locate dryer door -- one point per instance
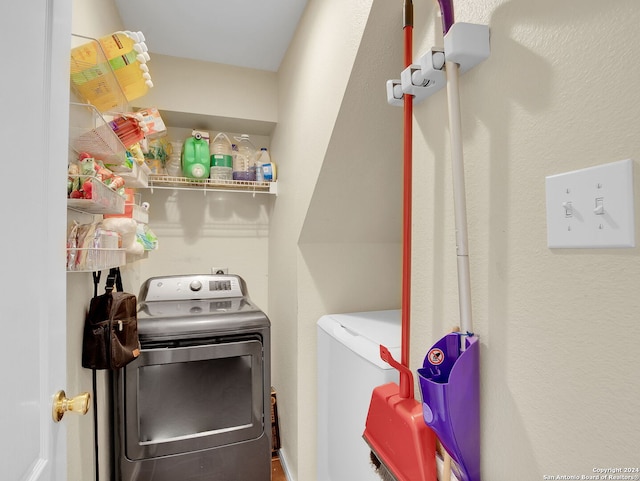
(193, 397)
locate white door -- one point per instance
(34, 87)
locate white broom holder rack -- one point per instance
(466, 44)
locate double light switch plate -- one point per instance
(592, 207)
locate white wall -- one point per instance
(548, 319)
(198, 231)
(557, 327)
(205, 88)
(220, 229)
(335, 244)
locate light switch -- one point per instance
(599, 210)
(592, 207)
(568, 209)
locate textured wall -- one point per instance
(558, 327)
(559, 368)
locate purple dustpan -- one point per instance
(450, 386)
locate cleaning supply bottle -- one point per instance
(268, 166)
(221, 158)
(195, 157)
(244, 162)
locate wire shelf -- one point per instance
(89, 132)
(184, 183)
(94, 259)
(103, 199)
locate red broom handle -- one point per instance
(406, 381)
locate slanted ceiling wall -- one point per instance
(334, 237)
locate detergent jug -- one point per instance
(195, 157)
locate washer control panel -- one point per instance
(206, 286)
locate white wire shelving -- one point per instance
(184, 183)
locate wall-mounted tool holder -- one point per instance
(466, 44)
(423, 79)
(394, 93)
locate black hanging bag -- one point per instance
(110, 339)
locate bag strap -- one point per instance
(114, 279)
(119, 280)
(96, 281)
(95, 424)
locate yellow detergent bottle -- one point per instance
(116, 44)
(130, 63)
(126, 54)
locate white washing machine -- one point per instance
(349, 368)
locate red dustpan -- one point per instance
(402, 446)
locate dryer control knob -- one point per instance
(195, 286)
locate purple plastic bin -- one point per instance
(450, 387)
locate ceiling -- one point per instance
(244, 33)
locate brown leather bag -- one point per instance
(110, 339)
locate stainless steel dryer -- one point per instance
(195, 405)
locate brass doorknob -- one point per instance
(78, 404)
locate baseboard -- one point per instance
(283, 462)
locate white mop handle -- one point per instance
(459, 198)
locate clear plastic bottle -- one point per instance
(244, 161)
(172, 164)
(259, 172)
(263, 159)
(221, 158)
